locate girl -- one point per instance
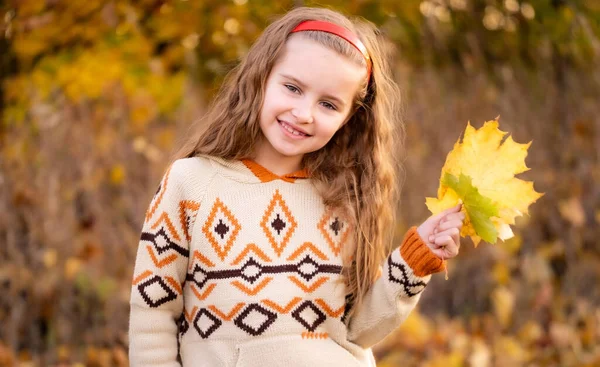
(268, 242)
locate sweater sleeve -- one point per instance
(160, 272)
(395, 294)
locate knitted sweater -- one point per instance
(239, 267)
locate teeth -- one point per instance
(292, 131)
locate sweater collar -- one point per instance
(249, 171)
(264, 175)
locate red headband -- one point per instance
(316, 25)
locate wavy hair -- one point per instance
(357, 171)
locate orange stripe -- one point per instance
(257, 251)
(281, 309)
(202, 296)
(328, 310)
(310, 289)
(142, 276)
(311, 335)
(165, 218)
(183, 205)
(190, 316)
(229, 316)
(163, 189)
(175, 284)
(264, 175)
(255, 290)
(310, 246)
(203, 259)
(166, 261)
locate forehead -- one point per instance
(320, 67)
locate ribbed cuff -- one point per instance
(418, 256)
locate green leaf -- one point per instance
(479, 207)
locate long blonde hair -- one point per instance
(357, 171)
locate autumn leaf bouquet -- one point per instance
(480, 172)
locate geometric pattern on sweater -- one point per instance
(256, 318)
(398, 273)
(228, 259)
(221, 228)
(254, 274)
(157, 199)
(335, 230)
(278, 223)
(156, 290)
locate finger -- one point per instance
(444, 253)
(455, 223)
(454, 216)
(446, 245)
(440, 215)
(453, 233)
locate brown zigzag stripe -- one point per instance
(251, 271)
(402, 278)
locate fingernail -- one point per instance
(431, 238)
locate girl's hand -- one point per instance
(441, 232)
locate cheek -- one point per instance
(329, 130)
(273, 100)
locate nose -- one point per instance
(302, 112)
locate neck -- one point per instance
(275, 162)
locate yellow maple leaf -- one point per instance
(480, 171)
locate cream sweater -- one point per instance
(239, 267)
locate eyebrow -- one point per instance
(302, 85)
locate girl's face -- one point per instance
(308, 97)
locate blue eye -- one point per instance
(292, 88)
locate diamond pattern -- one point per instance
(156, 292)
(307, 268)
(397, 273)
(335, 230)
(255, 319)
(278, 223)
(198, 276)
(206, 323)
(251, 271)
(161, 241)
(221, 229)
(309, 315)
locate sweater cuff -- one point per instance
(418, 256)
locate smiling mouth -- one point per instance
(290, 129)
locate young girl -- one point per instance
(268, 242)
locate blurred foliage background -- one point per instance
(96, 94)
